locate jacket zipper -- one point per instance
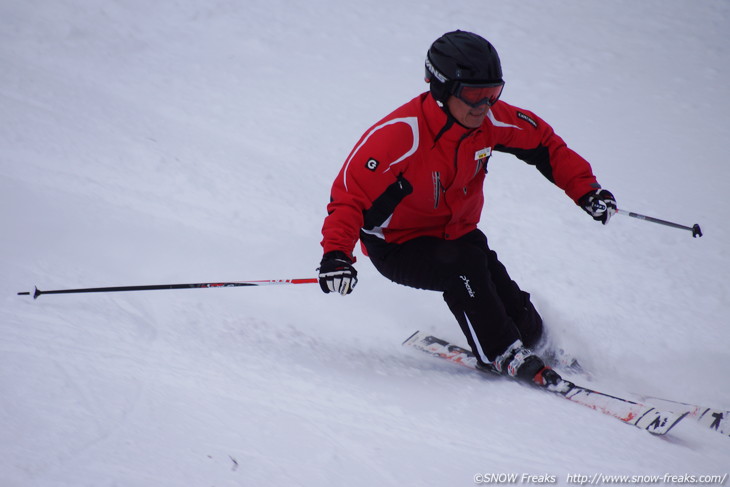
(456, 155)
(436, 188)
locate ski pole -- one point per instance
(155, 287)
(695, 229)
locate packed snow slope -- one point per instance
(189, 141)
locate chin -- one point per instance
(474, 122)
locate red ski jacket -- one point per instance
(408, 178)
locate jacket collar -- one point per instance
(440, 123)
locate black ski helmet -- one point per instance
(460, 56)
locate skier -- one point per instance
(411, 192)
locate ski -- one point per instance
(637, 414)
(712, 419)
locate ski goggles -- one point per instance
(476, 95)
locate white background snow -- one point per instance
(188, 141)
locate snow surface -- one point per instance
(188, 140)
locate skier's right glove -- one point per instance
(600, 204)
(336, 274)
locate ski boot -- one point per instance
(522, 364)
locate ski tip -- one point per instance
(410, 337)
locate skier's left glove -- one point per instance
(336, 273)
(600, 204)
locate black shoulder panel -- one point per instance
(538, 157)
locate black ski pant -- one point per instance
(491, 309)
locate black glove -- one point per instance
(336, 274)
(600, 204)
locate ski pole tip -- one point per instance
(696, 230)
(35, 294)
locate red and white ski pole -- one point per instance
(156, 287)
(695, 229)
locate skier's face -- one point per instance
(469, 117)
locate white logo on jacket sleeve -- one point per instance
(412, 122)
(527, 119)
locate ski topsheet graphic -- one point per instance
(642, 416)
(712, 419)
